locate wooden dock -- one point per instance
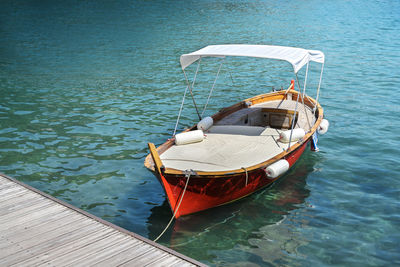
(38, 229)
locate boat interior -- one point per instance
(242, 139)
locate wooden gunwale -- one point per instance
(156, 158)
(280, 95)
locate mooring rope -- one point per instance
(177, 207)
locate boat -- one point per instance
(244, 147)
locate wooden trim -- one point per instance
(228, 110)
(260, 98)
(120, 229)
(156, 158)
(283, 111)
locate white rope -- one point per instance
(212, 88)
(177, 207)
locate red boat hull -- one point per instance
(206, 192)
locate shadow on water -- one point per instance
(265, 216)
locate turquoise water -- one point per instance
(84, 85)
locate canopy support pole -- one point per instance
(304, 93)
(212, 88)
(191, 87)
(180, 110)
(184, 96)
(319, 86)
(295, 112)
(194, 102)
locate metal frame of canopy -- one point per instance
(297, 57)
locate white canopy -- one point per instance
(298, 57)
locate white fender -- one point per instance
(189, 137)
(205, 124)
(277, 168)
(323, 126)
(298, 133)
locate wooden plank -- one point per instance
(167, 260)
(97, 257)
(6, 186)
(53, 251)
(12, 193)
(40, 246)
(66, 249)
(186, 264)
(11, 206)
(25, 198)
(28, 218)
(8, 198)
(29, 232)
(14, 242)
(86, 250)
(91, 251)
(161, 260)
(18, 203)
(144, 249)
(117, 257)
(144, 258)
(37, 229)
(20, 215)
(9, 193)
(4, 182)
(135, 252)
(38, 221)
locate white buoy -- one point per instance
(298, 133)
(277, 168)
(205, 124)
(323, 126)
(189, 137)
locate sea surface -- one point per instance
(84, 85)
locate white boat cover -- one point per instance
(225, 152)
(298, 57)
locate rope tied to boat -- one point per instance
(247, 176)
(188, 173)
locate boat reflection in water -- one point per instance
(264, 225)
